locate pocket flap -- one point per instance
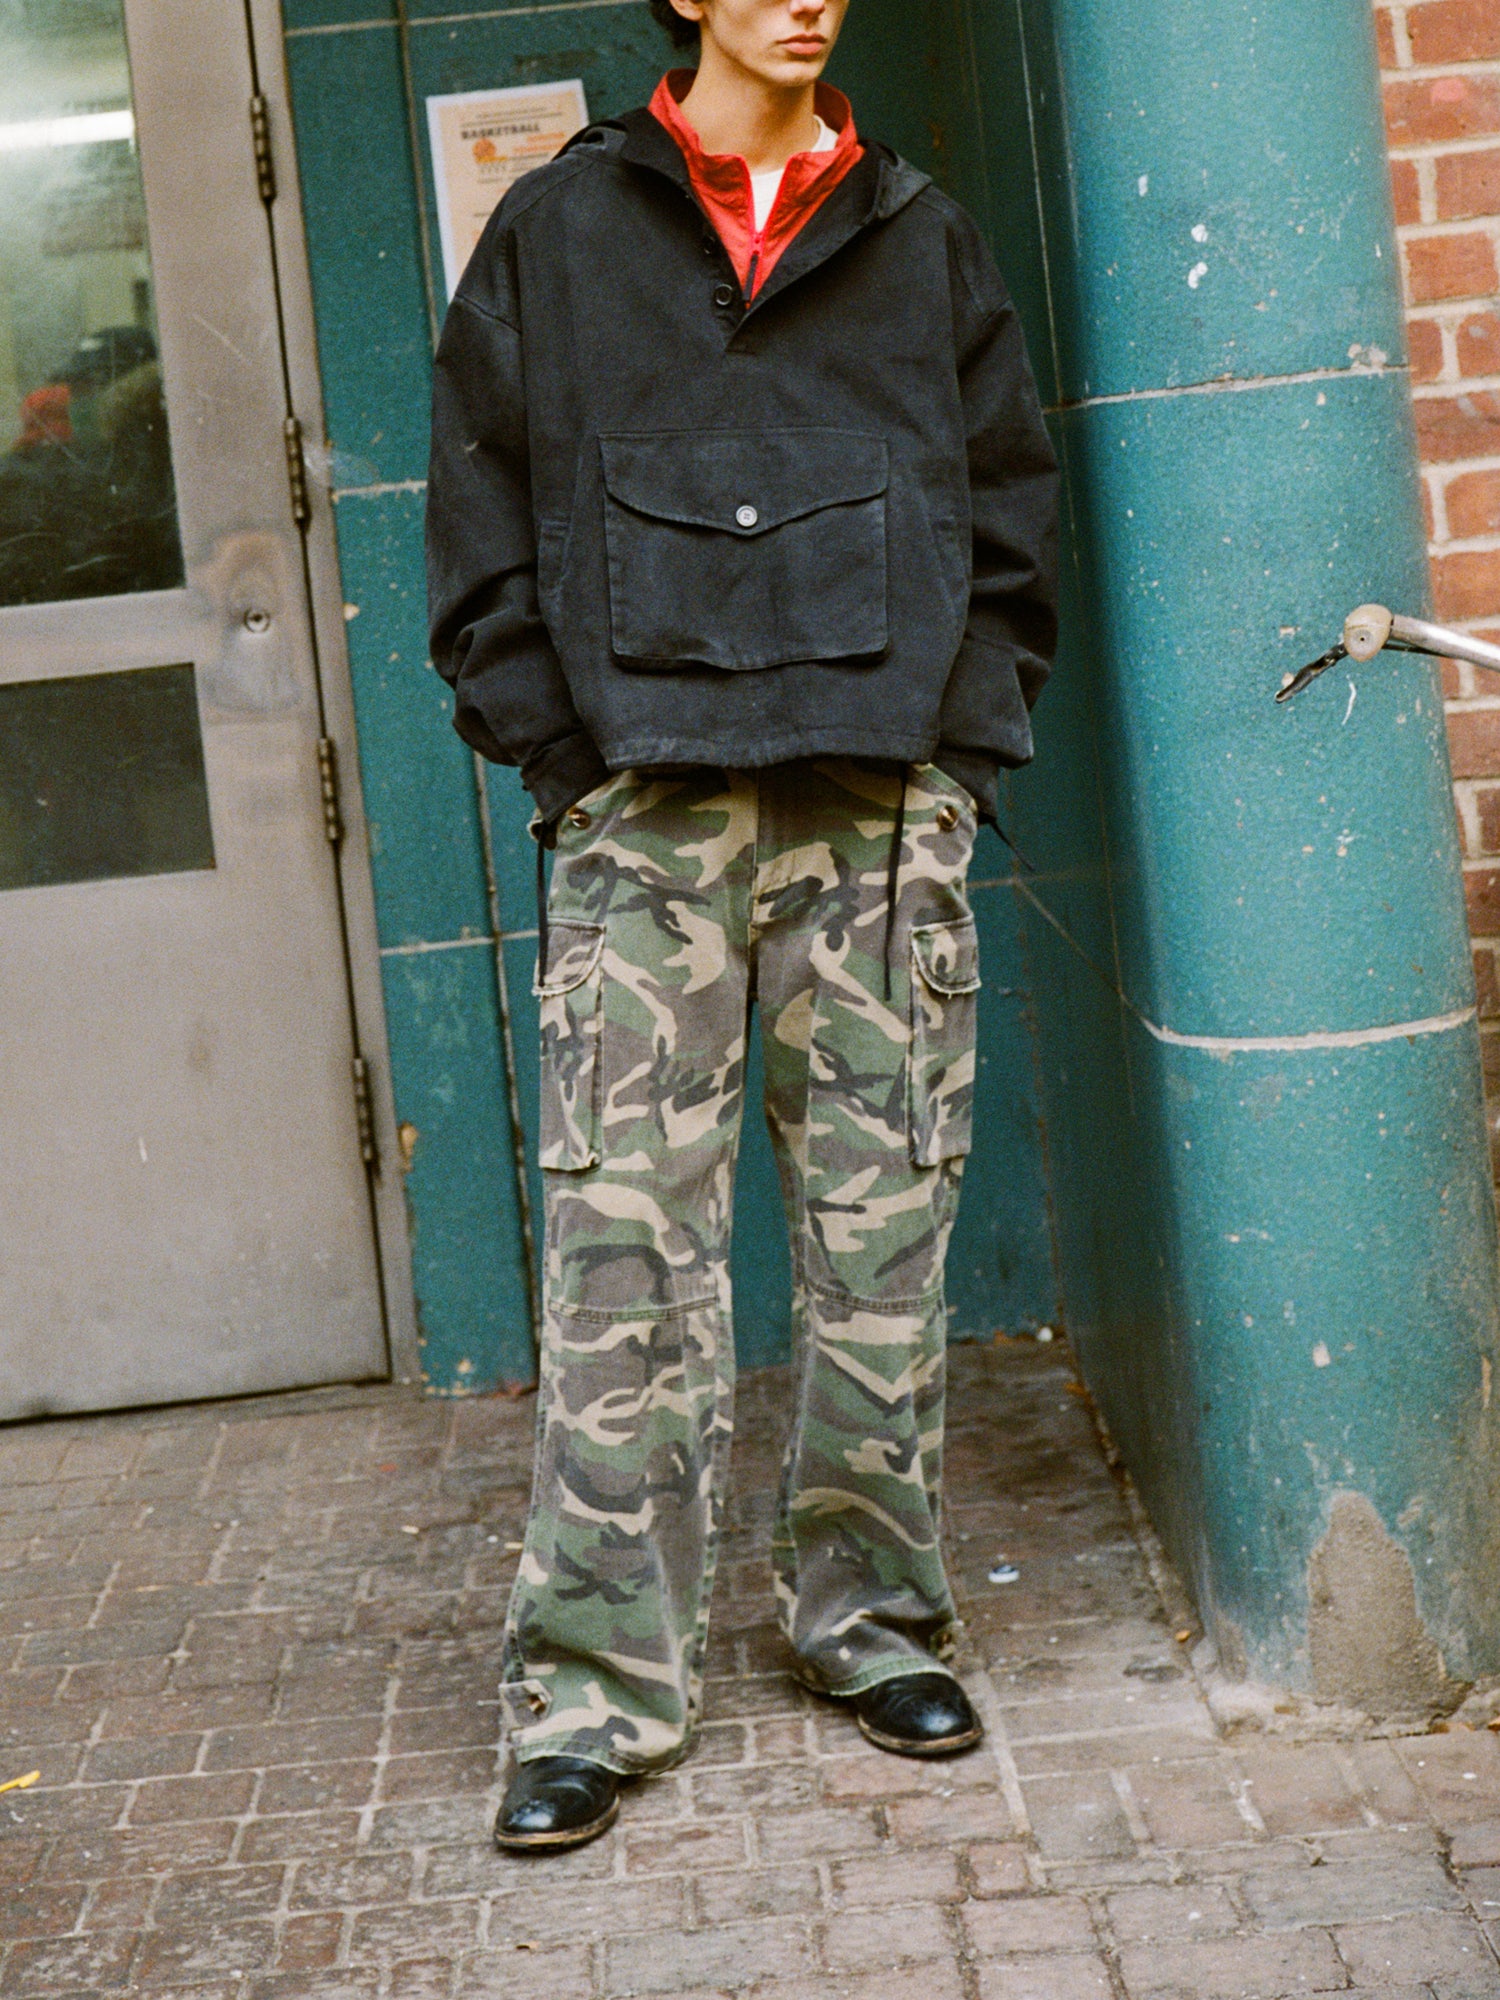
(947, 955)
(573, 953)
(743, 483)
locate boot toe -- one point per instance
(557, 1802)
(918, 1715)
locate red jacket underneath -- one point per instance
(721, 181)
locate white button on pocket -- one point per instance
(747, 517)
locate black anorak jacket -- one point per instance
(668, 527)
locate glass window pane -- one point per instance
(102, 776)
(87, 506)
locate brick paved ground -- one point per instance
(252, 1649)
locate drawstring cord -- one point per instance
(541, 911)
(893, 877)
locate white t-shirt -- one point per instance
(766, 187)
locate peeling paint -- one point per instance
(1370, 1650)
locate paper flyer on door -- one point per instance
(482, 142)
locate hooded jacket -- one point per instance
(668, 525)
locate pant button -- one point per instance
(947, 817)
(579, 818)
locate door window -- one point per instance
(87, 506)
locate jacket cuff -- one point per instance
(563, 773)
(978, 771)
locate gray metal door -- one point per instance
(184, 1202)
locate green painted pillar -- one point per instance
(1259, 1051)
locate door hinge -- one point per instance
(328, 778)
(260, 138)
(364, 1114)
(296, 472)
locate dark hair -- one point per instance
(683, 32)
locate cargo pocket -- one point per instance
(746, 549)
(571, 990)
(944, 1017)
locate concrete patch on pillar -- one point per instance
(1370, 1649)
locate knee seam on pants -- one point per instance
(835, 1295)
(645, 1315)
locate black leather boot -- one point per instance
(556, 1802)
(918, 1715)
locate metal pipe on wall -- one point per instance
(1260, 1050)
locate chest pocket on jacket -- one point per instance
(746, 549)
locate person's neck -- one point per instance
(735, 112)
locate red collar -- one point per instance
(721, 181)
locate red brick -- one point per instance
(44, 1910)
(1227, 1968)
(885, 1937)
(1473, 505)
(876, 1883)
(1467, 586)
(738, 1954)
(1406, 191)
(1429, 1947)
(1441, 108)
(1477, 1845)
(673, 1850)
(1488, 984)
(1453, 31)
(1479, 344)
(66, 1965)
(1385, 37)
(307, 1943)
(758, 1892)
(999, 1869)
(1468, 185)
(1451, 267)
(1483, 901)
(500, 1975)
(1027, 1924)
(936, 1822)
(1474, 742)
(1424, 337)
(192, 1953)
(1462, 426)
(1061, 1976)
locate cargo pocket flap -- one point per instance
(947, 956)
(573, 954)
(743, 483)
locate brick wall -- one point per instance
(1441, 61)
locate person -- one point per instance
(741, 545)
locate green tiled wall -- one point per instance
(360, 70)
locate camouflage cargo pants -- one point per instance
(675, 903)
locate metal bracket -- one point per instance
(260, 138)
(328, 778)
(1372, 628)
(296, 472)
(364, 1113)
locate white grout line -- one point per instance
(338, 28)
(1231, 385)
(981, 1691)
(1227, 1045)
(378, 487)
(1347, 1038)
(447, 20)
(447, 944)
(559, 7)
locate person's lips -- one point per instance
(805, 45)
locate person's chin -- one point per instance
(793, 70)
